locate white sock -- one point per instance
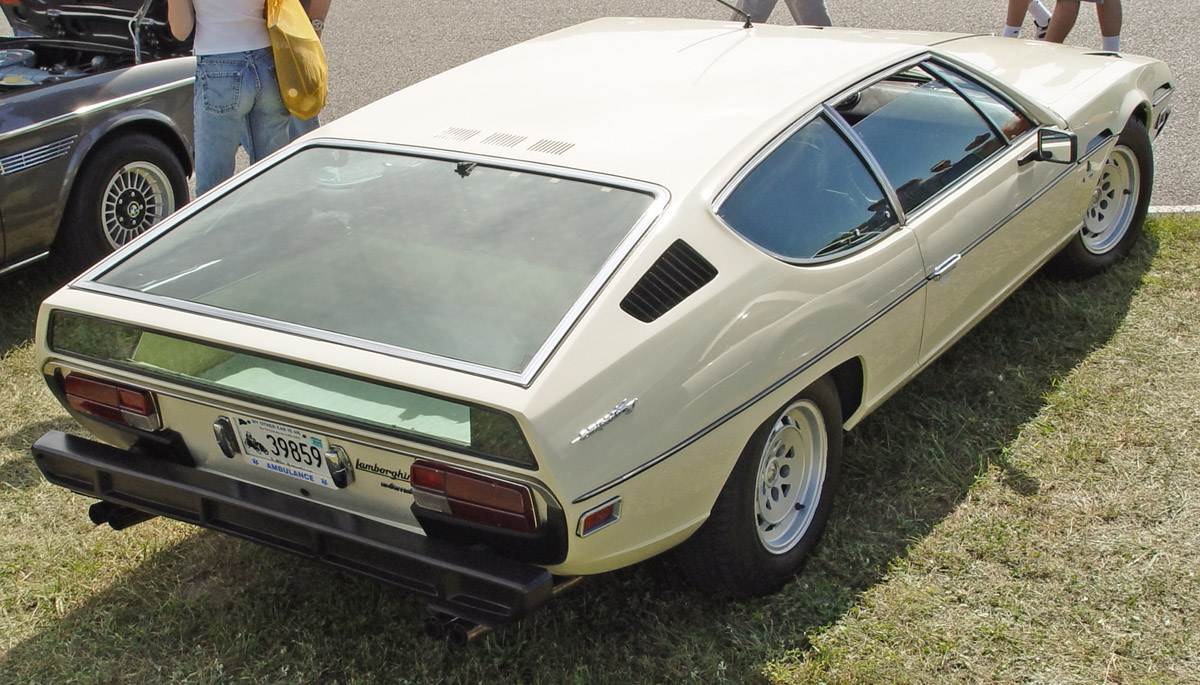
(1011, 31)
(1110, 43)
(1040, 14)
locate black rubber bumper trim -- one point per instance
(472, 584)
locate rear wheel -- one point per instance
(773, 508)
(126, 186)
(1114, 219)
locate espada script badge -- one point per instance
(625, 407)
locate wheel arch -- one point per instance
(149, 122)
(848, 378)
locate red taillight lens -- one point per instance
(473, 497)
(107, 400)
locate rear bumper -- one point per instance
(474, 585)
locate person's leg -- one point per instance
(809, 12)
(1109, 14)
(1063, 20)
(759, 10)
(217, 117)
(269, 117)
(1015, 16)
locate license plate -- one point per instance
(285, 450)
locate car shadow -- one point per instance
(24, 290)
(206, 598)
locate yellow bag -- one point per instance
(299, 58)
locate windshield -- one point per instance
(455, 259)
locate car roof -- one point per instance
(660, 100)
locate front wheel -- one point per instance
(128, 184)
(1114, 218)
(773, 508)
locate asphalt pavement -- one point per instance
(376, 47)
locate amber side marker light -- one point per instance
(601, 517)
(473, 497)
(121, 404)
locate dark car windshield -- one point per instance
(456, 259)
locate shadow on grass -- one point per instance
(23, 291)
(215, 609)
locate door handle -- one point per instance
(945, 267)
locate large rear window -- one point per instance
(485, 265)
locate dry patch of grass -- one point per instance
(1024, 511)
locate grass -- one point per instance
(1023, 511)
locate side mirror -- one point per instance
(1060, 147)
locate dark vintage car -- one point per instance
(95, 127)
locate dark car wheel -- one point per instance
(1114, 219)
(126, 186)
(773, 508)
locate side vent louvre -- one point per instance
(679, 272)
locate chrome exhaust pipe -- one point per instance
(455, 630)
(460, 632)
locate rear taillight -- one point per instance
(473, 497)
(113, 402)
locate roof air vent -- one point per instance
(456, 133)
(679, 272)
(551, 147)
(503, 139)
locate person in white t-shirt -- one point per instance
(236, 91)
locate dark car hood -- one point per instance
(100, 21)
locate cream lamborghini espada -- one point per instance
(607, 293)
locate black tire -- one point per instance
(760, 533)
(127, 184)
(1114, 220)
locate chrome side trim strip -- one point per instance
(88, 109)
(824, 353)
(24, 262)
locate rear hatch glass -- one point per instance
(483, 266)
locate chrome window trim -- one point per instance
(638, 470)
(829, 111)
(768, 150)
(872, 164)
(995, 158)
(659, 199)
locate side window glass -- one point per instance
(1003, 116)
(811, 198)
(923, 134)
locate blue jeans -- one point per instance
(298, 127)
(236, 95)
